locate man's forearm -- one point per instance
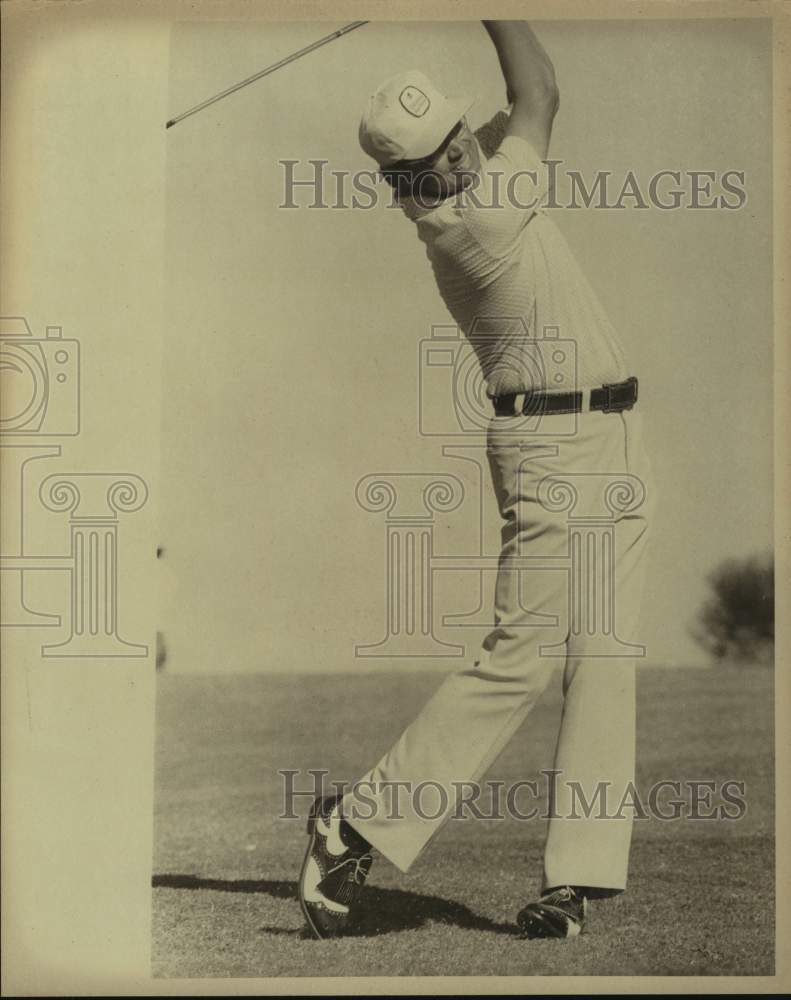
(527, 69)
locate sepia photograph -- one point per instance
(492, 620)
(392, 501)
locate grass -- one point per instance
(701, 894)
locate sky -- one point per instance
(290, 359)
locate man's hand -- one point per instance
(529, 80)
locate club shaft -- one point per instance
(265, 72)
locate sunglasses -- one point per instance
(425, 163)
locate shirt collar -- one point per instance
(415, 210)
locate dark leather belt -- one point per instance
(610, 398)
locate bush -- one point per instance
(737, 621)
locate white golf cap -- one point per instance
(408, 117)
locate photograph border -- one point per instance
(37, 959)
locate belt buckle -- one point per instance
(514, 409)
(611, 405)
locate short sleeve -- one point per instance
(512, 188)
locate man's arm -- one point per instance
(529, 79)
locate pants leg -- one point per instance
(473, 714)
(595, 752)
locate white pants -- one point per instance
(476, 711)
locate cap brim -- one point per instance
(451, 112)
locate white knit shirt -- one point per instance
(509, 280)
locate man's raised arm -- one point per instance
(529, 79)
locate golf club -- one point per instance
(265, 72)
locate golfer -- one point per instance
(506, 274)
